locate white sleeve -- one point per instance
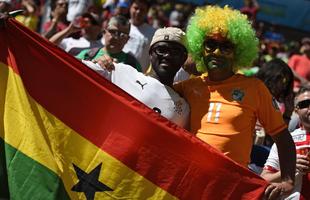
(96, 67)
(273, 158)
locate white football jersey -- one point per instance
(148, 90)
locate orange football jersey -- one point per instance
(224, 114)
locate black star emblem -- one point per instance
(89, 183)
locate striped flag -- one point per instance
(67, 133)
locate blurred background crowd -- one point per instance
(48, 17)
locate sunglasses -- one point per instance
(118, 34)
(225, 47)
(163, 50)
(303, 104)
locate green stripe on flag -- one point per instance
(26, 178)
(4, 191)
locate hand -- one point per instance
(106, 62)
(72, 28)
(58, 13)
(302, 164)
(278, 190)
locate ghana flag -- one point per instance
(67, 133)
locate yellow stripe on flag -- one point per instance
(32, 130)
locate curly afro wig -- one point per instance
(229, 23)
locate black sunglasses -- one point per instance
(226, 47)
(118, 34)
(171, 51)
(303, 104)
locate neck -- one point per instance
(163, 79)
(218, 75)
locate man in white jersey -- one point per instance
(167, 54)
(301, 139)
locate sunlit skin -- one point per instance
(114, 43)
(138, 12)
(218, 57)
(304, 113)
(166, 59)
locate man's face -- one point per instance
(303, 108)
(116, 36)
(218, 54)
(138, 13)
(305, 48)
(167, 58)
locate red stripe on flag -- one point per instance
(99, 111)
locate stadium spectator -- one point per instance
(140, 34)
(279, 78)
(58, 20)
(29, 17)
(301, 138)
(167, 54)
(224, 105)
(116, 34)
(90, 26)
(300, 64)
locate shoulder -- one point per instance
(81, 55)
(125, 69)
(147, 29)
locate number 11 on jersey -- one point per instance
(214, 112)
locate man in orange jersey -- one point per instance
(224, 105)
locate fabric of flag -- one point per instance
(67, 133)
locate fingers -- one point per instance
(277, 190)
(105, 62)
(302, 166)
(272, 192)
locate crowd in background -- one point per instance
(50, 16)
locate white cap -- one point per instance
(169, 34)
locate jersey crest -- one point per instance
(237, 94)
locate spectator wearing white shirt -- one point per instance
(140, 34)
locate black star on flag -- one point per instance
(89, 183)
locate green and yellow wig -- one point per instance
(231, 24)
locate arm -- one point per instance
(287, 158)
(271, 171)
(287, 155)
(57, 15)
(97, 68)
(58, 37)
(273, 177)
